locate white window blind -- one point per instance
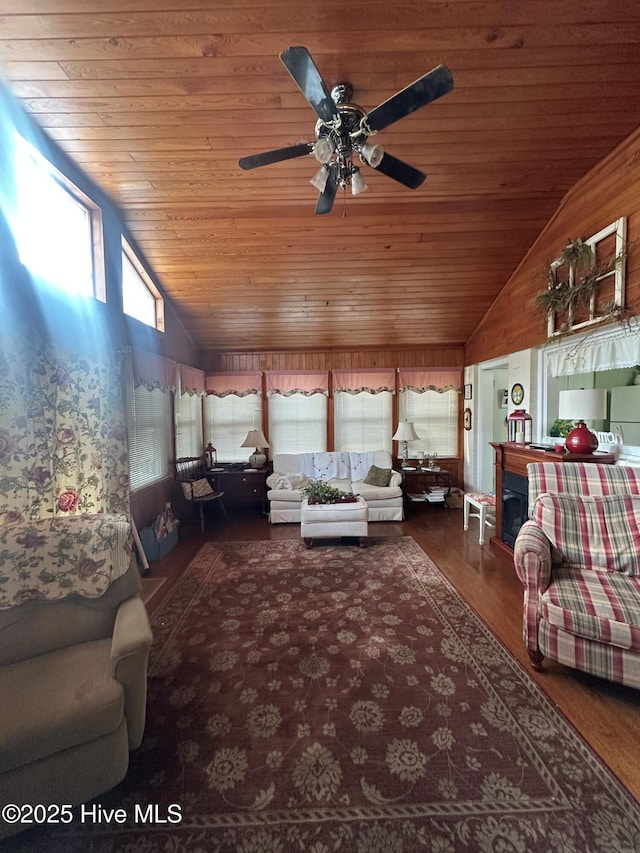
(150, 436)
(298, 423)
(188, 425)
(435, 418)
(363, 421)
(228, 420)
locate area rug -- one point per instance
(344, 699)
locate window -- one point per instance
(140, 298)
(188, 423)
(57, 228)
(435, 419)
(298, 423)
(150, 435)
(227, 421)
(363, 421)
(363, 409)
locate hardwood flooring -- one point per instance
(606, 715)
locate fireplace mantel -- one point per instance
(514, 458)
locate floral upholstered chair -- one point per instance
(578, 559)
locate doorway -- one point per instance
(492, 419)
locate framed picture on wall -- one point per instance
(468, 392)
(467, 418)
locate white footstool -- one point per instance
(486, 511)
(331, 521)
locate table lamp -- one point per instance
(583, 404)
(255, 438)
(405, 433)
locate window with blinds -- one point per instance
(188, 425)
(363, 421)
(435, 419)
(149, 422)
(298, 423)
(227, 420)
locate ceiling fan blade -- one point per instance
(275, 156)
(400, 171)
(298, 62)
(425, 89)
(327, 196)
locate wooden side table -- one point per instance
(426, 485)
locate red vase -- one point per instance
(581, 439)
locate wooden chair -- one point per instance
(198, 485)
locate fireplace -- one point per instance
(515, 494)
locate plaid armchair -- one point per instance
(578, 558)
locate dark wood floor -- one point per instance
(606, 715)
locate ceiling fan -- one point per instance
(342, 129)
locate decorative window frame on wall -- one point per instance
(619, 229)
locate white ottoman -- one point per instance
(331, 521)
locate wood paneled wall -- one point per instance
(609, 191)
(335, 359)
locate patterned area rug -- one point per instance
(346, 699)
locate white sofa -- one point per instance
(346, 471)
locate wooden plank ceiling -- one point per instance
(157, 99)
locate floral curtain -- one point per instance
(63, 439)
(242, 384)
(371, 381)
(290, 382)
(437, 379)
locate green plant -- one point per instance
(561, 428)
(320, 492)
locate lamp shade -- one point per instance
(405, 432)
(584, 404)
(255, 438)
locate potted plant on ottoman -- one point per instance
(319, 492)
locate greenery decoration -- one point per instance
(561, 296)
(320, 492)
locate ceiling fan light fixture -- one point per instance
(323, 149)
(358, 183)
(319, 180)
(372, 154)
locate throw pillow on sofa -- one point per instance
(378, 476)
(593, 531)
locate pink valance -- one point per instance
(191, 380)
(372, 381)
(289, 382)
(152, 371)
(438, 379)
(241, 383)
